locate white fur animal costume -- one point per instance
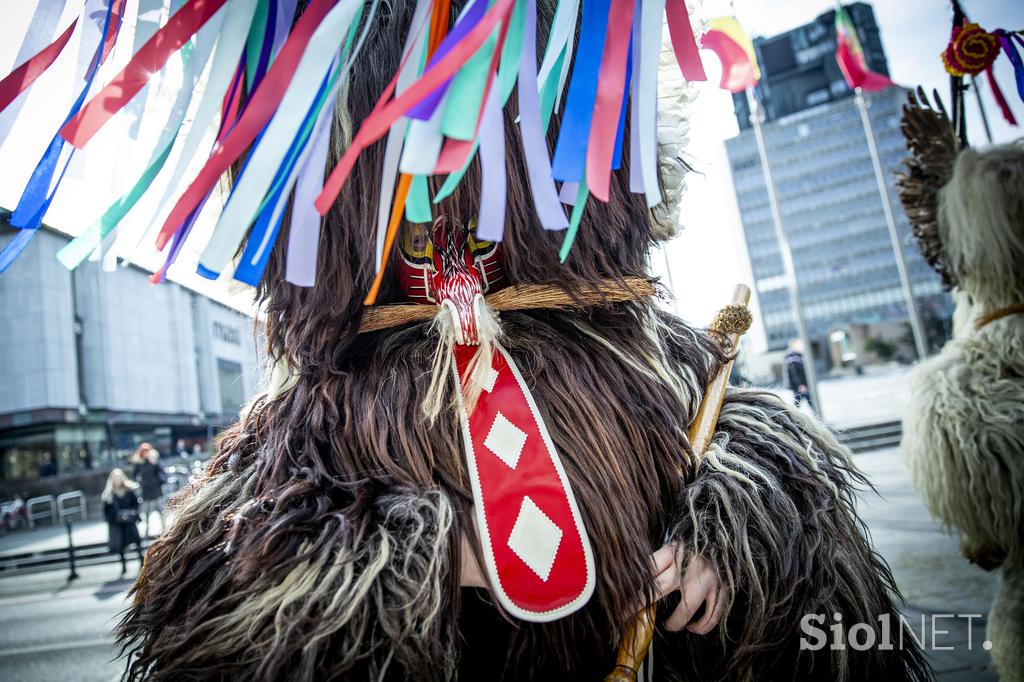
(964, 427)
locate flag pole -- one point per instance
(981, 108)
(916, 327)
(789, 272)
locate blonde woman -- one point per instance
(121, 509)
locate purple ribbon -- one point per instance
(491, 225)
(535, 146)
(304, 233)
(1011, 54)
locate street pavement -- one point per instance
(54, 631)
(939, 585)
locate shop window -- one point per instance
(232, 392)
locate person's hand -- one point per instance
(699, 584)
(803, 388)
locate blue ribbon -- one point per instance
(1006, 38)
(571, 149)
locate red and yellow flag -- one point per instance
(731, 43)
(850, 56)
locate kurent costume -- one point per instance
(964, 429)
(486, 368)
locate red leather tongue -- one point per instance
(536, 551)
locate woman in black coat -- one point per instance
(121, 509)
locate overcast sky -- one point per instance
(706, 260)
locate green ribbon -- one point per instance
(254, 44)
(417, 205)
(574, 220)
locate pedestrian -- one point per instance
(151, 477)
(121, 509)
(796, 375)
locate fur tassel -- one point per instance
(442, 364)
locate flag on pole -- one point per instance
(850, 56)
(730, 42)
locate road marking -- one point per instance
(56, 646)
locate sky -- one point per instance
(705, 261)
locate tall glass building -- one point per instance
(831, 207)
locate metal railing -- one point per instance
(51, 509)
(69, 504)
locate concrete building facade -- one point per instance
(96, 362)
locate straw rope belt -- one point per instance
(518, 297)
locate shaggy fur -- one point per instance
(322, 540)
(964, 429)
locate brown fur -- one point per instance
(321, 541)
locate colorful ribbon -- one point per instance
(680, 32)
(194, 59)
(646, 110)
(39, 35)
(45, 179)
(608, 101)
(25, 75)
(278, 138)
(147, 61)
(535, 146)
(569, 161)
(261, 106)
(388, 110)
(415, 45)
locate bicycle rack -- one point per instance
(69, 504)
(51, 509)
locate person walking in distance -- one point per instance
(151, 477)
(121, 509)
(796, 376)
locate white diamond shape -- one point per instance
(535, 539)
(505, 440)
(487, 380)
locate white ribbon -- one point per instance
(650, 41)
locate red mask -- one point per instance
(450, 268)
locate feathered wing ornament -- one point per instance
(933, 145)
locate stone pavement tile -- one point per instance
(930, 572)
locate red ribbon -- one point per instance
(257, 112)
(19, 80)
(150, 58)
(683, 42)
(387, 112)
(611, 86)
(1000, 99)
